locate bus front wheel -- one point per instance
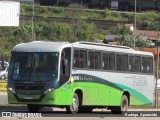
(33, 108)
(73, 108)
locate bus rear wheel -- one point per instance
(73, 108)
(123, 107)
(33, 108)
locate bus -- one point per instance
(80, 76)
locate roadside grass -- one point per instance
(63, 12)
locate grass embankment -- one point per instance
(148, 19)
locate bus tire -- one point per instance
(85, 109)
(124, 103)
(122, 108)
(33, 108)
(73, 108)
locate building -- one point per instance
(153, 36)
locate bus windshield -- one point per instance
(34, 66)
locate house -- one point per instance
(153, 36)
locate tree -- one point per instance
(123, 34)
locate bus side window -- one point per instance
(105, 61)
(98, 61)
(125, 62)
(131, 64)
(149, 65)
(144, 65)
(91, 63)
(111, 61)
(137, 64)
(119, 62)
(83, 59)
(76, 59)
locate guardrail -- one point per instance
(3, 85)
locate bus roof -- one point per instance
(40, 46)
(109, 48)
(49, 46)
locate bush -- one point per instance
(85, 31)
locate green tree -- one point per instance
(85, 31)
(123, 34)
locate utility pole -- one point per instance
(157, 74)
(135, 22)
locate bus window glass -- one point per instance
(105, 61)
(149, 65)
(65, 64)
(144, 65)
(91, 60)
(34, 66)
(131, 64)
(111, 61)
(76, 59)
(137, 64)
(119, 62)
(125, 62)
(98, 63)
(83, 59)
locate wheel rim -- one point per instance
(124, 105)
(74, 105)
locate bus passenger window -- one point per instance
(137, 64)
(91, 60)
(125, 62)
(111, 61)
(98, 63)
(105, 61)
(149, 65)
(83, 59)
(131, 64)
(144, 65)
(119, 62)
(76, 59)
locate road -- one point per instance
(60, 114)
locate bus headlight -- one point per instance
(48, 90)
(12, 90)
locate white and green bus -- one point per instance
(80, 76)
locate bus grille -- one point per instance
(29, 87)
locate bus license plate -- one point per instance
(28, 98)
